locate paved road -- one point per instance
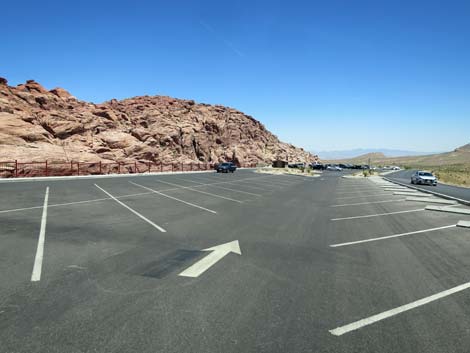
(404, 176)
(110, 277)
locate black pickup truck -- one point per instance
(226, 167)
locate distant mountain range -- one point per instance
(460, 155)
(346, 154)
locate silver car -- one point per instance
(423, 178)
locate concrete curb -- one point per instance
(463, 202)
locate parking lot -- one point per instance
(243, 262)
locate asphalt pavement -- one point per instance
(404, 176)
(242, 262)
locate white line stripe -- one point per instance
(386, 314)
(270, 182)
(367, 203)
(221, 187)
(377, 215)
(356, 192)
(362, 196)
(244, 183)
(37, 268)
(234, 182)
(124, 196)
(392, 236)
(133, 211)
(173, 198)
(200, 191)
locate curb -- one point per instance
(463, 202)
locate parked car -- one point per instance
(226, 167)
(296, 165)
(423, 178)
(334, 167)
(318, 166)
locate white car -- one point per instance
(334, 167)
(423, 178)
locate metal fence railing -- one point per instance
(17, 169)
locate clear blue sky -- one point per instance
(324, 75)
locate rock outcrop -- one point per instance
(37, 124)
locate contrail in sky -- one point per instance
(229, 44)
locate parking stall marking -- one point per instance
(450, 209)
(389, 313)
(200, 191)
(222, 187)
(431, 200)
(270, 183)
(119, 197)
(258, 187)
(368, 203)
(378, 214)
(410, 193)
(173, 198)
(362, 196)
(37, 268)
(133, 211)
(234, 182)
(356, 192)
(392, 236)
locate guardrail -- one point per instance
(16, 169)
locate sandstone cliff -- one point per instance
(39, 124)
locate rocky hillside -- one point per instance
(39, 124)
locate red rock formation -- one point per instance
(36, 124)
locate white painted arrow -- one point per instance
(218, 252)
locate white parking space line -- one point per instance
(133, 211)
(284, 182)
(450, 209)
(270, 182)
(174, 198)
(235, 183)
(392, 236)
(367, 203)
(37, 268)
(431, 200)
(120, 197)
(361, 196)
(221, 187)
(199, 191)
(75, 202)
(389, 313)
(356, 192)
(410, 193)
(250, 185)
(378, 214)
